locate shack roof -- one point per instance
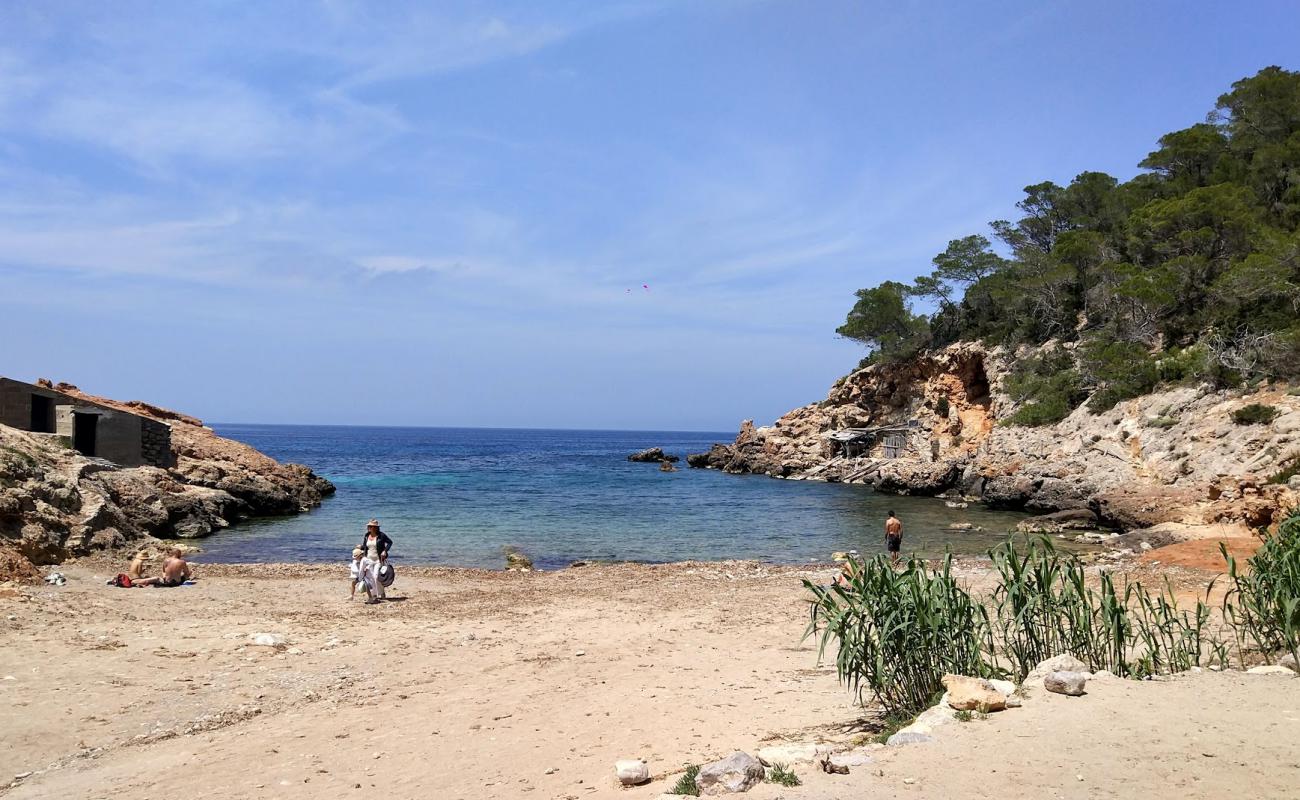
(862, 434)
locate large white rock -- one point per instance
(853, 758)
(1008, 690)
(269, 639)
(908, 737)
(738, 772)
(1289, 662)
(923, 727)
(632, 771)
(1061, 663)
(1068, 683)
(1271, 669)
(792, 753)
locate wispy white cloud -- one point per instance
(165, 85)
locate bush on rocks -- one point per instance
(1255, 414)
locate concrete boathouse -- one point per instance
(126, 439)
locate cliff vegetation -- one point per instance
(1187, 273)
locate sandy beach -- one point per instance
(478, 684)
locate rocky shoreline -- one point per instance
(56, 503)
(1171, 458)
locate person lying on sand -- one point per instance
(174, 572)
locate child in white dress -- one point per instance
(354, 573)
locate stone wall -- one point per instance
(156, 443)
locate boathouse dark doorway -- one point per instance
(42, 414)
(84, 430)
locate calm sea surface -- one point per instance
(456, 496)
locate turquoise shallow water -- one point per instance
(456, 496)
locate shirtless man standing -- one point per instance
(174, 572)
(893, 537)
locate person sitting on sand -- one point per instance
(375, 547)
(847, 570)
(136, 571)
(174, 572)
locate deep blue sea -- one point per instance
(457, 496)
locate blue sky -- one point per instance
(432, 213)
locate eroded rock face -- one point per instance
(263, 486)
(1129, 466)
(17, 568)
(56, 503)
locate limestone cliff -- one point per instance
(1170, 456)
(56, 503)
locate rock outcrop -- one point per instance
(56, 503)
(653, 455)
(1169, 456)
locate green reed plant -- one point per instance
(898, 631)
(1262, 607)
(1043, 608)
(1170, 639)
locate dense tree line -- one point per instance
(1188, 272)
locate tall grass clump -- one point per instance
(1044, 608)
(1171, 639)
(897, 632)
(1262, 607)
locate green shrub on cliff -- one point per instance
(1048, 385)
(1189, 271)
(1255, 414)
(1123, 370)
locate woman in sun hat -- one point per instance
(375, 546)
